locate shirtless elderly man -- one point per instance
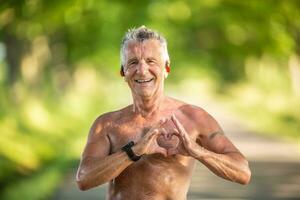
(147, 150)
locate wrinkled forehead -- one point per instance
(146, 48)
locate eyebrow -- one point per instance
(151, 58)
(132, 59)
(136, 59)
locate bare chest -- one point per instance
(122, 133)
(133, 130)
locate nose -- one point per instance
(142, 68)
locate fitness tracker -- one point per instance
(129, 152)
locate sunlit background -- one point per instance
(59, 70)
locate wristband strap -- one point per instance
(129, 152)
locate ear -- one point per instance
(167, 70)
(122, 71)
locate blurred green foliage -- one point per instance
(59, 63)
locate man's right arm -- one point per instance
(97, 166)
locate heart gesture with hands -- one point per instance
(168, 137)
(148, 144)
(174, 138)
(186, 144)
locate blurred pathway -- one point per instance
(275, 169)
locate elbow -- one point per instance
(245, 180)
(245, 176)
(81, 185)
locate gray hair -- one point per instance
(141, 34)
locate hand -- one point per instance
(167, 139)
(186, 144)
(148, 143)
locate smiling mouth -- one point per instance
(140, 81)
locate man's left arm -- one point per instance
(215, 150)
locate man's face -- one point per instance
(144, 67)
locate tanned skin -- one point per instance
(169, 134)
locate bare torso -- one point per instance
(153, 176)
(168, 133)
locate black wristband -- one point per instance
(129, 152)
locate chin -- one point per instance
(145, 94)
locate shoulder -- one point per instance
(112, 116)
(192, 112)
(103, 122)
(204, 121)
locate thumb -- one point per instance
(162, 151)
(172, 151)
(153, 134)
(175, 131)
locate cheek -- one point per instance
(129, 77)
(158, 71)
(128, 74)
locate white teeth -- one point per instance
(143, 80)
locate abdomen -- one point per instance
(154, 177)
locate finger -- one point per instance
(155, 128)
(162, 151)
(162, 122)
(159, 124)
(152, 134)
(172, 151)
(164, 132)
(178, 133)
(174, 130)
(177, 124)
(180, 136)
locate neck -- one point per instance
(147, 106)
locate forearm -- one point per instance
(93, 172)
(231, 166)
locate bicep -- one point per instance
(219, 143)
(97, 149)
(213, 138)
(98, 143)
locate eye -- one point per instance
(132, 63)
(151, 61)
